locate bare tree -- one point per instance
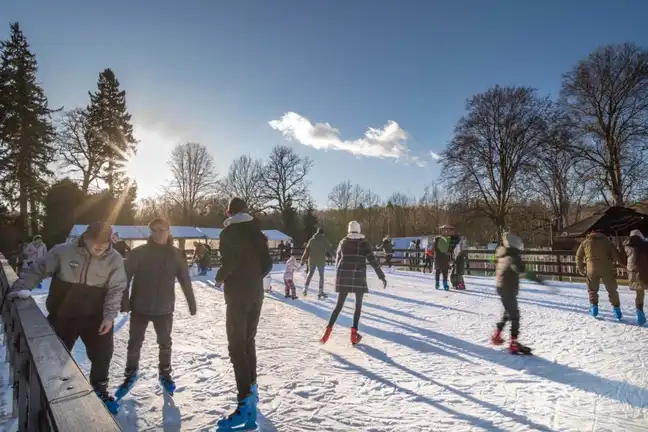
(557, 177)
(607, 94)
(194, 178)
(80, 155)
(245, 180)
(492, 146)
(284, 179)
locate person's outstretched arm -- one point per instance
(182, 273)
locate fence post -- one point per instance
(560, 272)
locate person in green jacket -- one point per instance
(315, 253)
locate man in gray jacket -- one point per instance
(154, 267)
(315, 253)
(88, 281)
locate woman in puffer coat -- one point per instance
(351, 263)
(636, 249)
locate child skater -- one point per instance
(289, 273)
(507, 278)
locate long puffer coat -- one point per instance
(353, 253)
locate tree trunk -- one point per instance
(34, 216)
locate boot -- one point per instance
(326, 335)
(593, 310)
(355, 336)
(243, 418)
(617, 313)
(111, 404)
(130, 378)
(497, 339)
(641, 317)
(167, 383)
(517, 348)
(445, 286)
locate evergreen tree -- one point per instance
(290, 221)
(110, 128)
(26, 130)
(310, 222)
(61, 204)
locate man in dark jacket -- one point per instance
(388, 249)
(120, 245)
(636, 249)
(154, 267)
(246, 261)
(88, 280)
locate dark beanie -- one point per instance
(236, 205)
(99, 231)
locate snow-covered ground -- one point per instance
(424, 364)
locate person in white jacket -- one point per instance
(289, 274)
(34, 251)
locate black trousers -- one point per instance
(441, 270)
(511, 313)
(163, 325)
(98, 347)
(242, 320)
(340, 304)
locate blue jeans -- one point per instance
(311, 271)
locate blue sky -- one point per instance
(218, 72)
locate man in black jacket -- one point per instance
(120, 245)
(154, 267)
(245, 262)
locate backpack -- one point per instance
(442, 244)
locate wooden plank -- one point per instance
(33, 322)
(82, 413)
(59, 375)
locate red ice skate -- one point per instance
(517, 348)
(326, 335)
(355, 336)
(497, 339)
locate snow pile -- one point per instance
(424, 363)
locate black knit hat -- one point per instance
(236, 205)
(99, 231)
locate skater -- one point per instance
(442, 258)
(246, 262)
(459, 257)
(429, 256)
(315, 254)
(289, 274)
(388, 249)
(120, 245)
(352, 255)
(636, 249)
(411, 255)
(596, 259)
(202, 258)
(153, 268)
(507, 279)
(88, 281)
(33, 251)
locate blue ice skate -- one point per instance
(127, 385)
(254, 389)
(109, 401)
(445, 286)
(593, 310)
(436, 285)
(617, 313)
(167, 383)
(244, 418)
(641, 317)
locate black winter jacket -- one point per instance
(154, 269)
(245, 259)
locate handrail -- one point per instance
(50, 392)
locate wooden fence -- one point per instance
(50, 392)
(554, 264)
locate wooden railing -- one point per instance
(50, 392)
(558, 264)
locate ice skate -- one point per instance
(517, 348)
(355, 337)
(326, 335)
(593, 311)
(617, 313)
(244, 417)
(641, 317)
(496, 338)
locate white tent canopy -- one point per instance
(142, 232)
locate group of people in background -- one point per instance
(91, 284)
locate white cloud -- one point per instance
(388, 142)
(436, 156)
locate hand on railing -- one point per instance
(22, 294)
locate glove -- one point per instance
(21, 294)
(384, 281)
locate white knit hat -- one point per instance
(511, 240)
(354, 227)
(636, 233)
